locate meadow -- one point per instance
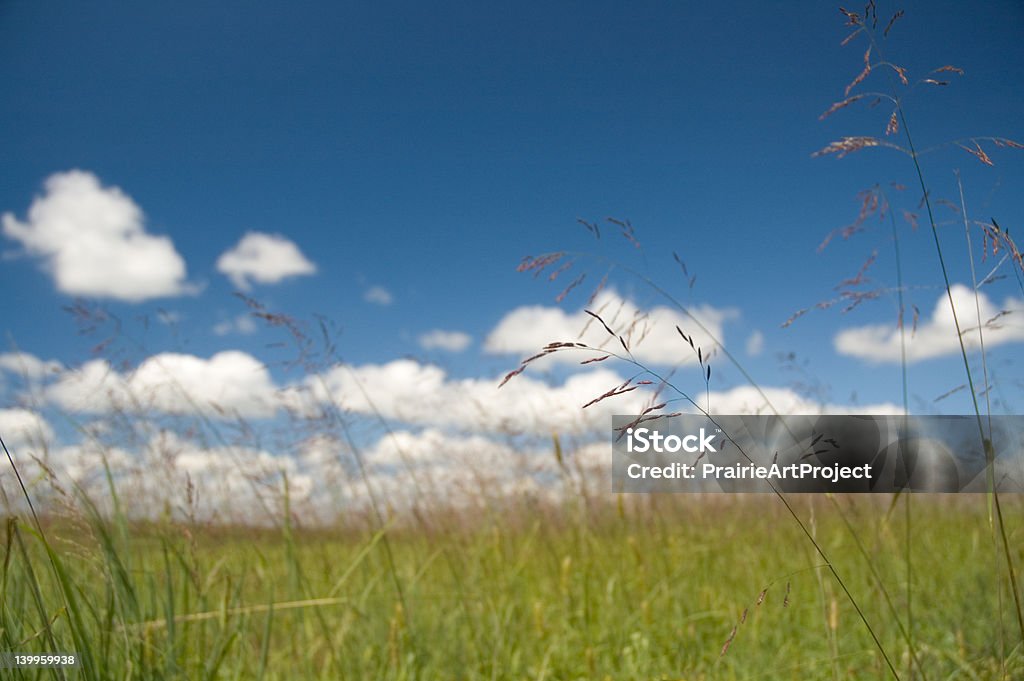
(529, 583)
(648, 587)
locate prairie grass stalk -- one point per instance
(998, 523)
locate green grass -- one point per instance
(639, 587)
(647, 590)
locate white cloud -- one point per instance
(936, 336)
(651, 334)
(169, 472)
(230, 472)
(746, 399)
(450, 341)
(453, 469)
(93, 241)
(243, 324)
(24, 428)
(28, 366)
(404, 391)
(94, 387)
(239, 483)
(87, 464)
(227, 383)
(264, 259)
(421, 394)
(755, 344)
(433, 448)
(378, 295)
(430, 466)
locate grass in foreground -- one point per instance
(657, 587)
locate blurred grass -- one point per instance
(649, 588)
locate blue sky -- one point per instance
(423, 151)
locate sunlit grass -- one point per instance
(651, 589)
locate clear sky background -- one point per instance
(400, 159)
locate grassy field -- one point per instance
(646, 588)
(726, 586)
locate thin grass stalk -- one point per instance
(907, 515)
(984, 368)
(37, 594)
(42, 536)
(977, 301)
(999, 525)
(904, 630)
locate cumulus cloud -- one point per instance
(28, 366)
(455, 469)
(746, 400)
(378, 295)
(168, 472)
(429, 464)
(245, 483)
(453, 448)
(440, 453)
(651, 333)
(24, 428)
(230, 473)
(403, 391)
(423, 394)
(936, 335)
(228, 383)
(92, 240)
(264, 259)
(233, 382)
(449, 341)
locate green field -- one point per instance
(559, 582)
(645, 587)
